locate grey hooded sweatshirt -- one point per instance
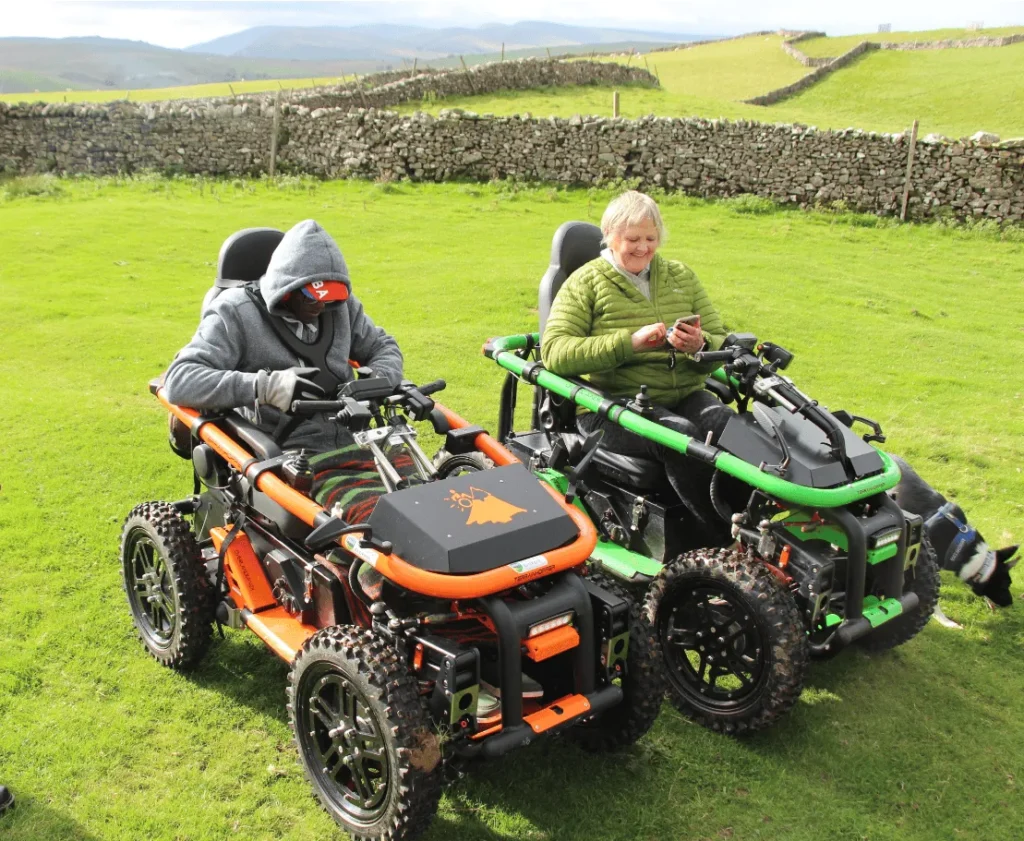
(217, 370)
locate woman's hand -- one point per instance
(686, 338)
(649, 337)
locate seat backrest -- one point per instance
(575, 243)
(244, 257)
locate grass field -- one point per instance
(836, 46)
(918, 327)
(159, 94)
(953, 92)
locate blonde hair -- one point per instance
(631, 208)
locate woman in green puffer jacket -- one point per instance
(617, 322)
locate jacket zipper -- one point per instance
(657, 312)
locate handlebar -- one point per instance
(430, 388)
(315, 407)
(715, 355)
(406, 394)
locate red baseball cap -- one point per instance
(326, 290)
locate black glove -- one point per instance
(280, 388)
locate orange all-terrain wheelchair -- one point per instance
(449, 620)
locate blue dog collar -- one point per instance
(964, 539)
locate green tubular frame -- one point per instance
(501, 350)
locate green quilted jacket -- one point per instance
(597, 310)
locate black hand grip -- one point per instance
(430, 388)
(313, 407)
(714, 356)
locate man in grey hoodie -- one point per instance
(256, 351)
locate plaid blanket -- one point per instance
(347, 478)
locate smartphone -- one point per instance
(692, 320)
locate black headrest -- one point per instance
(575, 244)
(245, 255)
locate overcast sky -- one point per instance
(180, 24)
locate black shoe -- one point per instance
(6, 799)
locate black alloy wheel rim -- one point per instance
(715, 649)
(150, 588)
(344, 744)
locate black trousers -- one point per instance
(695, 415)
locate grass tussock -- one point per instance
(31, 186)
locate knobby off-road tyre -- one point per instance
(643, 686)
(165, 580)
(363, 737)
(923, 579)
(448, 466)
(732, 638)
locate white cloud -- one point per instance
(179, 24)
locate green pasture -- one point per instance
(836, 46)
(919, 327)
(728, 70)
(160, 94)
(952, 92)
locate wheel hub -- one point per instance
(349, 748)
(713, 647)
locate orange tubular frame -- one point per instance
(283, 494)
(392, 566)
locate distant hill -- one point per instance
(274, 52)
(388, 41)
(30, 64)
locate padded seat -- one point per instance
(642, 474)
(639, 474)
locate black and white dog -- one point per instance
(957, 544)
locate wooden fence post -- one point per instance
(910, 168)
(502, 50)
(274, 130)
(615, 104)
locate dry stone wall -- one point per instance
(790, 164)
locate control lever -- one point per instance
(847, 420)
(326, 534)
(641, 404)
(590, 445)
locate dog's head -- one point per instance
(996, 588)
(961, 548)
